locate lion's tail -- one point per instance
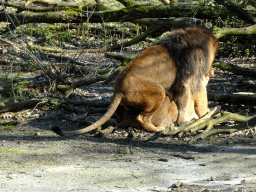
(111, 110)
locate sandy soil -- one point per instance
(35, 159)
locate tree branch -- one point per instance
(171, 23)
(125, 14)
(238, 98)
(235, 31)
(12, 106)
(235, 69)
(141, 37)
(127, 3)
(250, 122)
(238, 11)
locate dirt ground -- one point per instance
(35, 159)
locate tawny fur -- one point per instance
(166, 80)
(165, 115)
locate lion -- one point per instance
(173, 70)
(165, 115)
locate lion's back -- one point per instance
(192, 50)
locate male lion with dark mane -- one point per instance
(165, 115)
(167, 80)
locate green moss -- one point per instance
(10, 127)
(18, 88)
(7, 150)
(23, 83)
(5, 101)
(133, 8)
(75, 10)
(101, 7)
(52, 16)
(71, 12)
(140, 8)
(19, 76)
(53, 102)
(32, 94)
(221, 65)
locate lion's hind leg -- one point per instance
(166, 114)
(154, 99)
(148, 96)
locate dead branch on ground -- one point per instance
(207, 124)
(11, 106)
(235, 69)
